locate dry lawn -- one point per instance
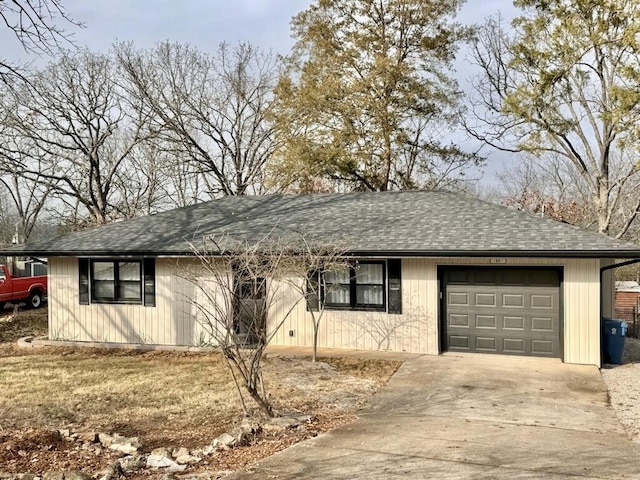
(167, 399)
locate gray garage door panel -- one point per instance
(502, 310)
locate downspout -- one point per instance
(602, 270)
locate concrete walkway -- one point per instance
(471, 417)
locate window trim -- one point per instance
(116, 281)
(353, 284)
(147, 282)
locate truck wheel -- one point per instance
(35, 300)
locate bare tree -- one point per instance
(26, 197)
(307, 272)
(35, 25)
(563, 85)
(234, 293)
(6, 220)
(213, 109)
(77, 132)
(239, 283)
(549, 187)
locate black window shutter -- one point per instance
(149, 268)
(395, 285)
(83, 280)
(313, 288)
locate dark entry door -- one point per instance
(250, 310)
(514, 311)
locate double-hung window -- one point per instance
(130, 281)
(337, 288)
(358, 286)
(116, 281)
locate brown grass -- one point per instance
(162, 397)
(165, 398)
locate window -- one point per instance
(358, 286)
(337, 288)
(117, 281)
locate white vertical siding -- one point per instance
(581, 301)
(175, 320)
(415, 330)
(582, 311)
(171, 322)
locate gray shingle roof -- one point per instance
(435, 223)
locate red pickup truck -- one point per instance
(31, 290)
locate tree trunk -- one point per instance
(602, 206)
(314, 355)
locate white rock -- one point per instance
(126, 448)
(224, 440)
(279, 424)
(105, 439)
(203, 452)
(131, 463)
(157, 461)
(187, 459)
(179, 452)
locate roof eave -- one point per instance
(619, 254)
(504, 253)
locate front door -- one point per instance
(250, 313)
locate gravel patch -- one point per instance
(623, 384)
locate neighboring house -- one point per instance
(444, 272)
(627, 304)
(627, 294)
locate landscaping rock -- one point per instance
(112, 472)
(132, 463)
(17, 476)
(158, 461)
(119, 443)
(69, 475)
(179, 452)
(224, 441)
(279, 424)
(161, 452)
(88, 437)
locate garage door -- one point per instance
(514, 311)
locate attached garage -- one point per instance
(513, 311)
(451, 273)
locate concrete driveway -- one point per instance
(472, 417)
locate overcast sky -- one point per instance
(205, 24)
(201, 23)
